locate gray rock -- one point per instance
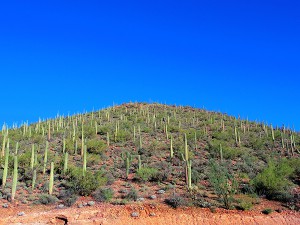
(161, 192)
(153, 197)
(5, 205)
(135, 214)
(21, 214)
(91, 203)
(80, 205)
(140, 200)
(152, 214)
(60, 206)
(84, 204)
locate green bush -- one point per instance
(146, 173)
(103, 194)
(96, 146)
(273, 180)
(46, 199)
(223, 182)
(267, 211)
(175, 201)
(132, 195)
(85, 185)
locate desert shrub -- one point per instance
(88, 132)
(96, 146)
(102, 130)
(175, 201)
(103, 194)
(223, 182)
(132, 195)
(71, 200)
(223, 136)
(245, 203)
(70, 146)
(146, 173)
(228, 152)
(273, 180)
(123, 136)
(84, 185)
(267, 211)
(46, 199)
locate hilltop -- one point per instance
(151, 154)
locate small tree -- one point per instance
(223, 182)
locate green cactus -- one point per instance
(139, 162)
(82, 141)
(127, 160)
(5, 165)
(15, 178)
(66, 162)
(32, 157)
(221, 153)
(3, 145)
(76, 146)
(188, 164)
(51, 180)
(84, 161)
(46, 157)
(141, 143)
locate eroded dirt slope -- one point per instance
(147, 215)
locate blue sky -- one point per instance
(238, 57)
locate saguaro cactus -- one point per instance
(84, 161)
(188, 164)
(171, 147)
(51, 178)
(46, 157)
(32, 157)
(3, 145)
(15, 178)
(127, 159)
(66, 162)
(5, 165)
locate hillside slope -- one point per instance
(151, 153)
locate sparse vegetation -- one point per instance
(137, 149)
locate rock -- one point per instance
(135, 214)
(60, 206)
(152, 214)
(80, 205)
(161, 191)
(91, 203)
(84, 204)
(153, 197)
(21, 214)
(140, 200)
(5, 205)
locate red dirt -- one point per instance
(149, 214)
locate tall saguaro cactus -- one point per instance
(45, 157)
(5, 165)
(15, 178)
(84, 161)
(188, 164)
(51, 180)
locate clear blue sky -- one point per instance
(238, 57)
